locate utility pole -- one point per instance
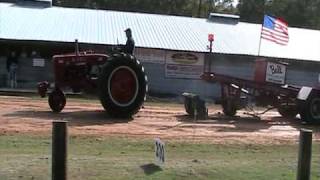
(199, 8)
(210, 3)
(194, 9)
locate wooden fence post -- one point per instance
(304, 159)
(59, 150)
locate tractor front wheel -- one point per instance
(57, 100)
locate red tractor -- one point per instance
(119, 79)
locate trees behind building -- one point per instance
(298, 13)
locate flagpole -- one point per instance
(261, 34)
(260, 38)
(264, 12)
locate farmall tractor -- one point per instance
(117, 77)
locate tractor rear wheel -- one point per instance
(122, 85)
(57, 100)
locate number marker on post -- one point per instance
(159, 151)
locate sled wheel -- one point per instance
(199, 105)
(188, 106)
(310, 110)
(57, 100)
(229, 107)
(288, 111)
(122, 85)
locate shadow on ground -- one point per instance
(75, 118)
(297, 123)
(150, 168)
(217, 122)
(245, 123)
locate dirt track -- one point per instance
(29, 115)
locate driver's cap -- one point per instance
(127, 30)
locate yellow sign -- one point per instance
(184, 58)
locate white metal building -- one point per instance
(158, 39)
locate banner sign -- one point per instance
(183, 71)
(276, 73)
(184, 65)
(150, 55)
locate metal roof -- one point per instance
(150, 31)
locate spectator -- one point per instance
(12, 66)
(23, 53)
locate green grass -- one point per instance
(29, 157)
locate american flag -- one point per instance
(275, 30)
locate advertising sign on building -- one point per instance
(150, 55)
(38, 62)
(276, 73)
(185, 65)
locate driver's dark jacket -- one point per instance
(129, 46)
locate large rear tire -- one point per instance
(309, 110)
(122, 85)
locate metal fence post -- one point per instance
(304, 159)
(59, 150)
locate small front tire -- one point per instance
(57, 100)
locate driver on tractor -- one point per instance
(129, 46)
